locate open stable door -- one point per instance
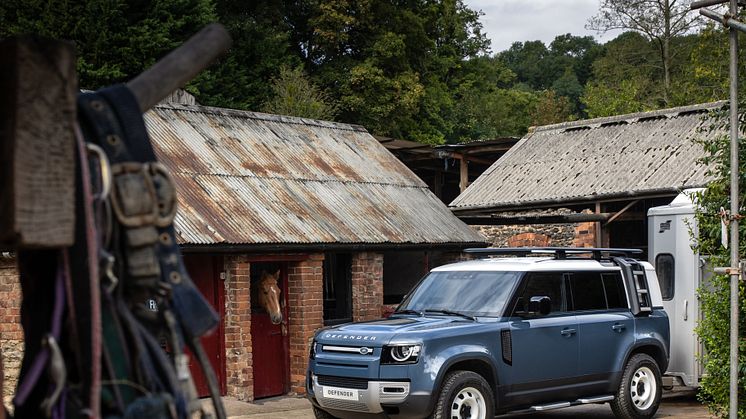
(270, 342)
(205, 271)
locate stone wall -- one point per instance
(541, 235)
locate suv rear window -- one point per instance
(597, 291)
(615, 295)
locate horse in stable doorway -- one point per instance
(266, 292)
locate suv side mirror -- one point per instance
(540, 305)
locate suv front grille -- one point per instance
(343, 382)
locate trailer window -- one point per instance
(664, 269)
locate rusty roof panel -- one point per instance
(250, 178)
(594, 159)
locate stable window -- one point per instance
(664, 269)
(337, 288)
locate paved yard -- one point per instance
(299, 408)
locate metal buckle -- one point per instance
(165, 194)
(133, 197)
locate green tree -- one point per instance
(551, 108)
(658, 20)
(393, 67)
(262, 45)
(624, 78)
(115, 40)
(294, 94)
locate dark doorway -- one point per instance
(337, 288)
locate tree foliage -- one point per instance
(294, 94)
(115, 40)
(659, 20)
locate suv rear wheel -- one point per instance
(639, 393)
(464, 395)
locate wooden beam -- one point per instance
(464, 175)
(622, 211)
(536, 219)
(38, 86)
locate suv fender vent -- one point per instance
(507, 344)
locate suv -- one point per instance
(497, 335)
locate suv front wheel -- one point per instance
(639, 393)
(465, 395)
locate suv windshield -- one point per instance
(475, 293)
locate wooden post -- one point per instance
(38, 85)
(464, 173)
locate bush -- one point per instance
(714, 328)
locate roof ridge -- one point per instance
(296, 179)
(632, 117)
(285, 119)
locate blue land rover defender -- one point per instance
(502, 334)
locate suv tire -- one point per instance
(320, 414)
(464, 394)
(639, 393)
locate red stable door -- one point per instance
(205, 272)
(269, 345)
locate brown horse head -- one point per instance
(269, 295)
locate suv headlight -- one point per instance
(312, 351)
(400, 354)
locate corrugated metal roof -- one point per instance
(604, 158)
(250, 178)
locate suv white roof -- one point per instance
(528, 264)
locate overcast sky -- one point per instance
(508, 21)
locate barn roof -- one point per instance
(255, 179)
(640, 154)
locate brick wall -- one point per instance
(585, 235)
(305, 314)
(529, 240)
(11, 333)
(238, 363)
(367, 286)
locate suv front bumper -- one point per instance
(380, 399)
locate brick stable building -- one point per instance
(325, 204)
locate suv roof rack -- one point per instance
(597, 253)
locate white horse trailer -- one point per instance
(680, 272)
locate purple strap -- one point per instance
(40, 362)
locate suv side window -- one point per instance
(550, 284)
(616, 297)
(587, 291)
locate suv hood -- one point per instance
(381, 332)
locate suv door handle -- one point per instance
(619, 328)
(568, 332)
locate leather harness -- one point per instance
(121, 293)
